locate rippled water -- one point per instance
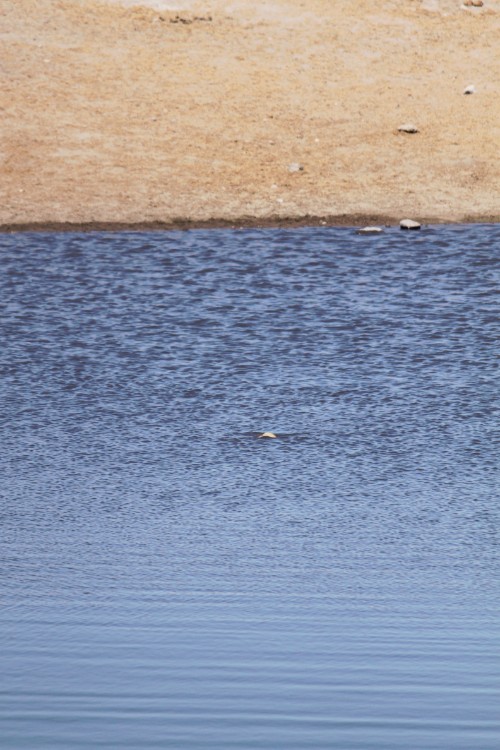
(170, 581)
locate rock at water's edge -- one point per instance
(409, 224)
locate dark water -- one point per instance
(170, 581)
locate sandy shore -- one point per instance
(232, 112)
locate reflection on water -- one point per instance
(169, 580)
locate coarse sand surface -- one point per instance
(281, 111)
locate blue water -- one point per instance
(169, 580)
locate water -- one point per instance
(168, 580)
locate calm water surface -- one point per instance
(170, 581)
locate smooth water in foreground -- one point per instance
(168, 580)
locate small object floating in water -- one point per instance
(267, 435)
(409, 224)
(408, 127)
(470, 89)
(369, 230)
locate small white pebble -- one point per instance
(470, 89)
(408, 127)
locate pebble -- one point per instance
(295, 167)
(267, 435)
(470, 90)
(370, 230)
(408, 127)
(473, 3)
(409, 224)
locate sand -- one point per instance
(192, 112)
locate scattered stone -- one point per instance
(408, 127)
(370, 230)
(267, 435)
(473, 3)
(409, 224)
(470, 90)
(182, 19)
(295, 167)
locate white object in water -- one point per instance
(409, 224)
(268, 435)
(370, 230)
